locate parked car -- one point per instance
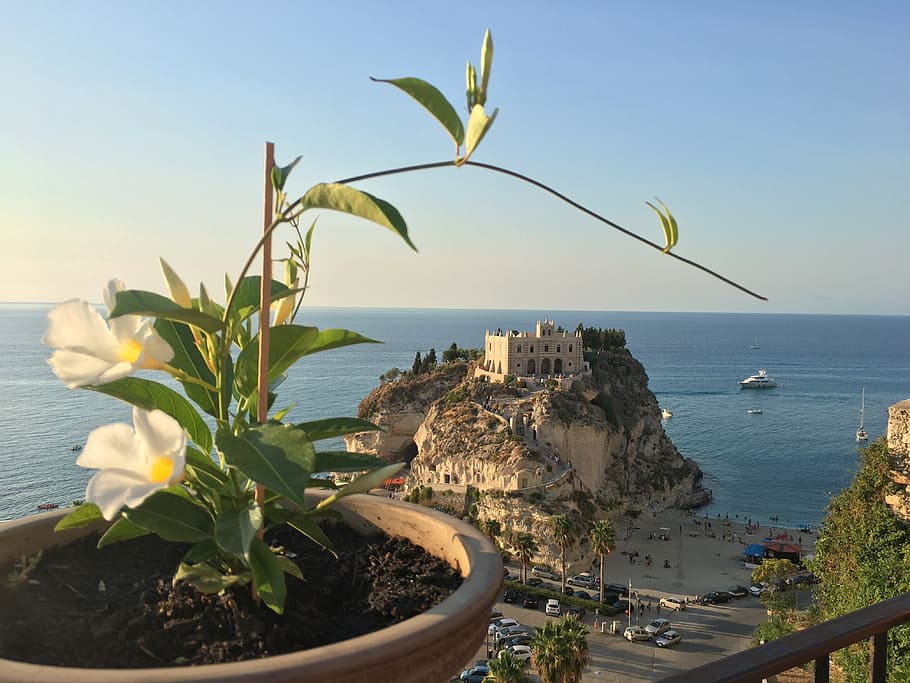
(575, 611)
(658, 626)
(521, 652)
(583, 580)
(739, 591)
(497, 624)
(582, 595)
(552, 608)
(511, 595)
(758, 588)
(545, 573)
(677, 604)
(715, 597)
(475, 674)
(668, 639)
(531, 601)
(633, 633)
(517, 639)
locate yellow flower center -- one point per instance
(161, 469)
(130, 351)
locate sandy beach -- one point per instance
(703, 553)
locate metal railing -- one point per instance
(814, 644)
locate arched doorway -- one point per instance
(557, 366)
(532, 367)
(545, 366)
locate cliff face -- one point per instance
(594, 449)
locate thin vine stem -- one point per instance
(559, 195)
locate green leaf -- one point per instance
(331, 427)
(306, 525)
(336, 338)
(85, 514)
(121, 530)
(486, 63)
(364, 483)
(268, 576)
(236, 529)
(207, 579)
(139, 302)
(150, 395)
(246, 300)
(280, 174)
(172, 517)
(356, 203)
(287, 344)
(345, 461)
(478, 125)
(431, 99)
(188, 359)
(273, 455)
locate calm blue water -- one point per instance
(785, 462)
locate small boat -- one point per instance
(47, 506)
(754, 411)
(666, 414)
(759, 380)
(861, 434)
(755, 345)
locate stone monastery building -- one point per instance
(542, 354)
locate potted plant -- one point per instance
(218, 467)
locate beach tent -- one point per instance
(753, 554)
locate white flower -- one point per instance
(134, 463)
(87, 351)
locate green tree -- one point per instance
(772, 572)
(507, 668)
(564, 535)
(862, 557)
(603, 542)
(525, 548)
(560, 650)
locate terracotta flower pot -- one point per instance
(427, 648)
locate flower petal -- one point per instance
(161, 434)
(111, 489)
(114, 446)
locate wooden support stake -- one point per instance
(265, 301)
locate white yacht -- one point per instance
(759, 380)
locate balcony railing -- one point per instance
(812, 644)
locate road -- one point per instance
(708, 633)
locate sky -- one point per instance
(778, 133)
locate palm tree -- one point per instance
(603, 542)
(525, 548)
(563, 533)
(560, 650)
(507, 668)
(551, 652)
(575, 634)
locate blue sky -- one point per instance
(776, 132)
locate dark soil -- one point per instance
(60, 617)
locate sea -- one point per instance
(779, 467)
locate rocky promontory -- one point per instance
(590, 447)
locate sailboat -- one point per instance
(861, 434)
(755, 345)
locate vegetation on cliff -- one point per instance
(863, 557)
